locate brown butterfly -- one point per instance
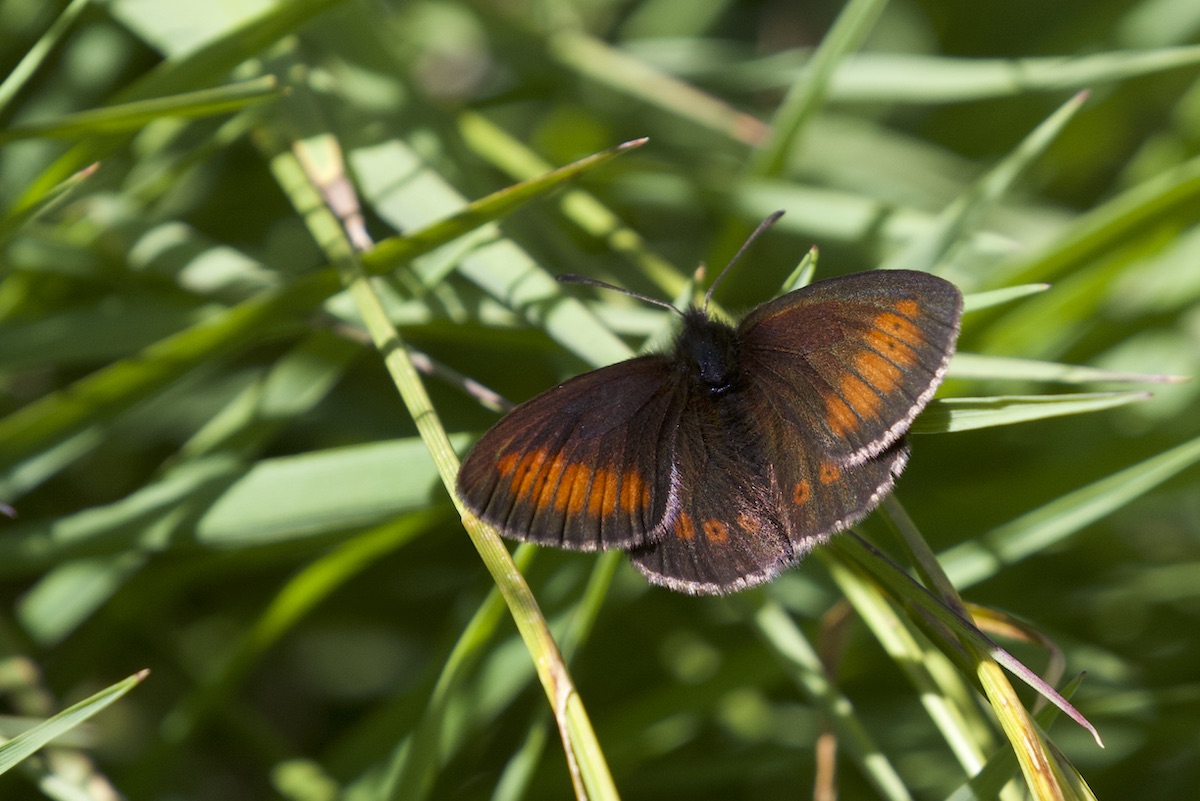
(723, 462)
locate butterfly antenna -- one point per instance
(570, 278)
(762, 227)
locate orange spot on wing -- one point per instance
(604, 497)
(635, 494)
(573, 488)
(684, 528)
(548, 481)
(829, 473)
(839, 416)
(900, 328)
(508, 463)
(877, 371)
(716, 531)
(909, 308)
(526, 472)
(896, 350)
(596, 498)
(859, 395)
(749, 523)
(801, 492)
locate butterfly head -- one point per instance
(708, 349)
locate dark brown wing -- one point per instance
(726, 531)
(852, 360)
(840, 370)
(585, 465)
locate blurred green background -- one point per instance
(256, 522)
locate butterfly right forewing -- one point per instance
(854, 359)
(841, 369)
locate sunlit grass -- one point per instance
(215, 476)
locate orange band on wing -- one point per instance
(683, 528)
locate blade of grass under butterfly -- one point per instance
(948, 700)
(899, 582)
(1038, 765)
(967, 414)
(520, 769)
(986, 367)
(588, 768)
(793, 650)
(988, 782)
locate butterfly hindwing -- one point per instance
(820, 495)
(585, 465)
(725, 532)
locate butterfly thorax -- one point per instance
(709, 350)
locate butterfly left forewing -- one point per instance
(585, 465)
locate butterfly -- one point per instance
(722, 462)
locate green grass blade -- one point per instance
(807, 95)
(967, 414)
(194, 70)
(1006, 368)
(132, 116)
(975, 301)
(33, 60)
(588, 766)
(972, 562)
(907, 78)
(932, 250)
(1169, 196)
(299, 596)
(793, 650)
(947, 699)
(25, 744)
(55, 197)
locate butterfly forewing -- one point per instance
(853, 359)
(585, 465)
